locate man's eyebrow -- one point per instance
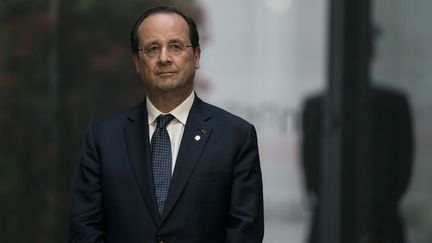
(174, 40)
(152, 42)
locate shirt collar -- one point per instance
(180, 113)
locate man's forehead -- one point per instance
(166, 27)
(156, 21)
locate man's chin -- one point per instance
(168, 87)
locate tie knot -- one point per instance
(163, 120)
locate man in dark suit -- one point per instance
(387, 133)
(212, 191)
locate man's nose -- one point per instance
(164, 56)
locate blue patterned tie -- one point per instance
(161, 160)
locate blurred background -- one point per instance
(340, 93)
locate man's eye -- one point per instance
(153, 49)
(175, 46)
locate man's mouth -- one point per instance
(166, 73)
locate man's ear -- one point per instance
(197, 55)
(135, 59)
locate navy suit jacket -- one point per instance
(215, 193)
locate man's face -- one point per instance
(166, 72)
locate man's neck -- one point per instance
(166, 102)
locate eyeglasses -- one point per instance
(155, 50)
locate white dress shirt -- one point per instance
(176, 127)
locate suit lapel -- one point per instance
(195, 137)
(137, 139)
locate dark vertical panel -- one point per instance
(343, 145)
(330, 217)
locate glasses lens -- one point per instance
(175, 48)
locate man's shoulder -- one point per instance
(390, 94)
(224, 117)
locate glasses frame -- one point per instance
(171, 51)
